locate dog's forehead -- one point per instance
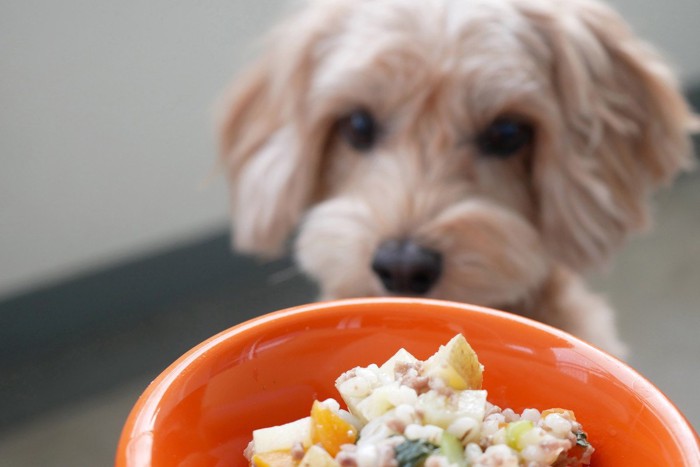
(436, 25)
(399, 41)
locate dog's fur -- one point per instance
(610, 127)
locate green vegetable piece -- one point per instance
(413, 452)
(452, 448)
(582, 439)
(515, 431)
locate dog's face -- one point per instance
(451, 149)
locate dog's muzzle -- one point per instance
(405, 267)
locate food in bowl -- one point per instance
(202, 409)
(410, 413)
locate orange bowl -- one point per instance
(203, 408)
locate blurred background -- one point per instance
(114, 248)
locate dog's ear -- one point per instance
(621, 129)
(266, 141)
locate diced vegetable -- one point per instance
(452, 448)
(402, 356)
(283, 437)
(515, 432)
(329, 429)
(564, 412)
(274, 459)
(412, 453)
(316, 456)
(582, 439)
(456, 364)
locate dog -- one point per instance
(481, 151)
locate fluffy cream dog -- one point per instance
(484, 151)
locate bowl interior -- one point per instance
(267, 371)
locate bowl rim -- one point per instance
(141, 418)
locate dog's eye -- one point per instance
(359, 130)
(505, 137)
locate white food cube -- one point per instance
(283, 437)
(403, 356)
(317, 457)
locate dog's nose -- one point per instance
(405, 267)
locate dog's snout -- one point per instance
(405, 267)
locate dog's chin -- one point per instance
(490, 255)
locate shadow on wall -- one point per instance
(65, 342)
